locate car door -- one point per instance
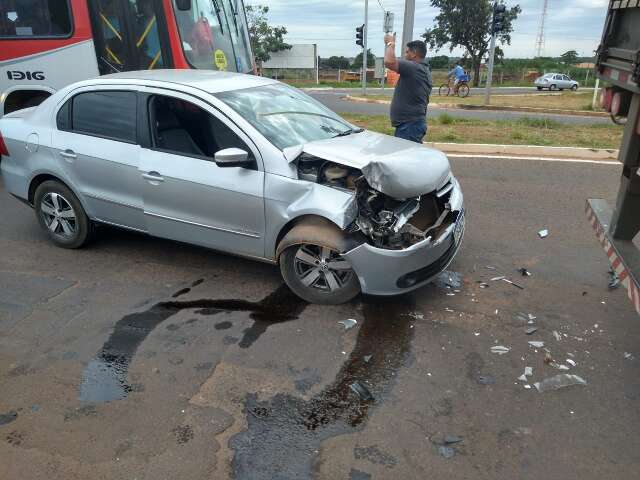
(187, 197)
(567, 81)
(96, 145)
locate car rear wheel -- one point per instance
(61, 215)
(539, 88)
(319, 274)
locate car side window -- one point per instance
(566, 78)
(63, 119)
(107, 114)
(183, 128)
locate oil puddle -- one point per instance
(285, 432)
(105, 378)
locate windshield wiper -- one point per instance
(234, 15)
(216, 7)
(349, 132)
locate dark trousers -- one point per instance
(413, 131)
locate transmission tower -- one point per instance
(540, 39)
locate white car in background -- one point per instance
(556, 81)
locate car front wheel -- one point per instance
(319, 274)
(61, 215)
(574, 87)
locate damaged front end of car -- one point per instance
(406, 212)
(387, 222)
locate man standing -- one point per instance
(411, 96)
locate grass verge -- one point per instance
(524, 131)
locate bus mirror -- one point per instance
(183, 4)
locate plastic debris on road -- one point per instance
(348, 324)
(557, 336)
(448, 280)
(367, 358)
(559, 381)
(615, 280)
(362, 391)
(570, 362)
(451, 439)
(513, 283)
(500, 350)
(486, 379)
(531, 330)
(536, 344)
(524, 272)
(628, 356)
(446, 452)
(528, 372)
(543, 233)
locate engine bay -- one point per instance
(386, 222)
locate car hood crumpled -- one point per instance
(393, 166)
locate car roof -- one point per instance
(207, 80)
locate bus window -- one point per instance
(35, 18)
(147, 38)
(239, 34)
(205, 35)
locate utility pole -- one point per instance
(497, 25)
(365, 52)
(407, 29)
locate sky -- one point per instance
(571, 24)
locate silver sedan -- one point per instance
(240, 164)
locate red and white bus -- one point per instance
(47, 44)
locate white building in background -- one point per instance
(298, 63)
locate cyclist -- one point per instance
(458, 73)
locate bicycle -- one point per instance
(462, 89)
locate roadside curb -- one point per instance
(525, 151)
(458, 106)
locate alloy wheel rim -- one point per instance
(58, 215)
(321, 268)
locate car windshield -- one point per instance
(285, 115)
(548, 75)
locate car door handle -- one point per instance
(68, 154)
(153, 177)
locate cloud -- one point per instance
(571, 24)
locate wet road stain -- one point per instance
(182, 292)
(285, 432)
(223, 326)
(105, 378)
(374, 455)
(7, 418)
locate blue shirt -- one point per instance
(458, 71)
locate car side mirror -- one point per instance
(183, 4)
(232, 157)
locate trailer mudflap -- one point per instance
(623, 255)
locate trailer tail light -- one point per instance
(3, 147)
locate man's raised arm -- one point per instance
(390, 59)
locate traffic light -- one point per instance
(360, 36)
(499, 12)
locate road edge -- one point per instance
(525, 151)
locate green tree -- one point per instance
(467, 24)
(569, 58)
(371, 60)
(265, 39)
(336, 62)
(439, 62)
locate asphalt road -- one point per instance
(337, 102)
(474, 91)
(213, 370)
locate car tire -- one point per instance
(61, 216)
(553, 88)
(574, 87)
(539, 88)
(318, 274)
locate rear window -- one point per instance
(107, 114)
(34, 18)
